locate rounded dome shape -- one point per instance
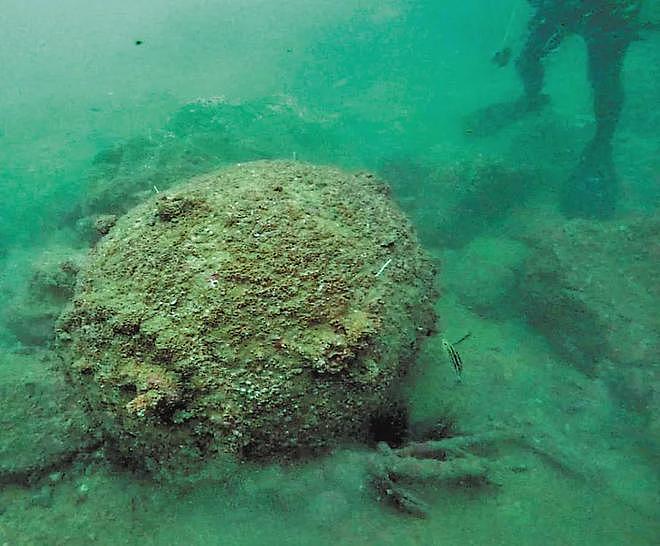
(267, 308)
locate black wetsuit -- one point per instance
(608, 27)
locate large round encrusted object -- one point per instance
(263, 309)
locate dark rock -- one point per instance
(42, 425)
(104, 223)
(30, 312)
(201, 136)
(592, 289)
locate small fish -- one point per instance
(454, 357)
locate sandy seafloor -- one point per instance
(401, 74)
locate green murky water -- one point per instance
(103, 104)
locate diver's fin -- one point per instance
(593, 189)
(493, 118)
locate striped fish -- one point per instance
(454, 356)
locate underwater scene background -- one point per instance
(541, 373)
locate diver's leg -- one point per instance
(593, 189)
(605, 65)
(545, 33)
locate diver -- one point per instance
(607, 27)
